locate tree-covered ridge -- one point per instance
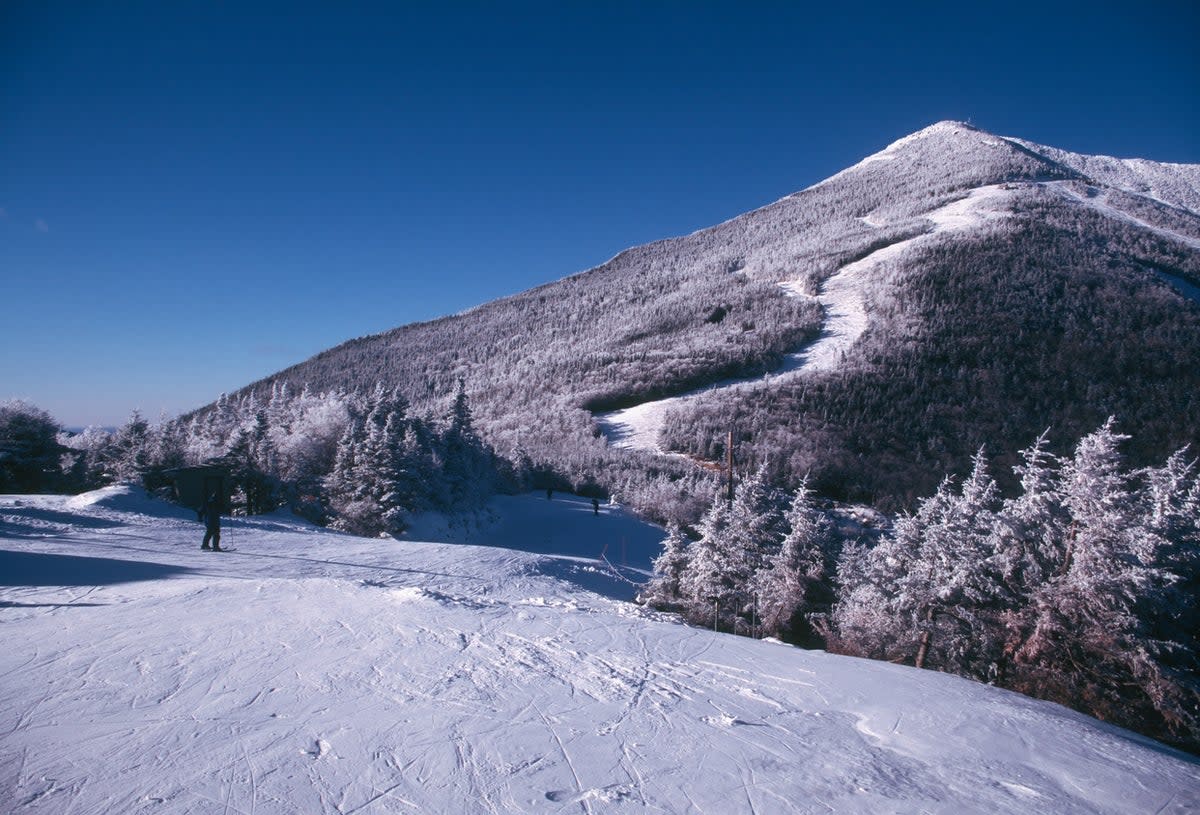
(1060, 316)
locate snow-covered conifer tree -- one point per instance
(340, 486)
(1033, 525)
(29, 448)
(707, 586)
(865, 622)
(1093, 632)
(129, 454)
(663, 590)
(753, 534)
(797, 578)
(953, 594)
(938, 577)
(167, 444)
(467, 466)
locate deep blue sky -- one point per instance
(195, 195)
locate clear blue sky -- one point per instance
(195, 195)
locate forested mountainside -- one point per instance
(1004, 287)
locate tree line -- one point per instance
(1083, 587)
(359, 463)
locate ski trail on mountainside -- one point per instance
(1098, 200)
(843, 298)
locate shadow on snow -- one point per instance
(40, 569)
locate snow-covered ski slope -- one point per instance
(318, 673)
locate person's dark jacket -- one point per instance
(210, 513)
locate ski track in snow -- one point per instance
(842, 298)
(315, 672)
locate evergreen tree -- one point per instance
(663, 590)
(340, 484)
(797, 581)
(756, 522)
(708, 586)
(255, 491)
(29, 448)
(467, 467)
(261, 446)
(1092, 635)
(1032, 532)
(88, 457)
(1171, 616)
(395, 482)
(129, 453)
(939, 579)
(168, 446)
(953, 593)
(865, 622)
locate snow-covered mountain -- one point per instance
(954, 289)
(309, 671)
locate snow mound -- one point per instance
(128, 498)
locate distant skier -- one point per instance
(549, 494)
(210, 513)
(595, 506)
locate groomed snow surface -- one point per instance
(313, 672)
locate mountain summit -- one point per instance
(872, 331)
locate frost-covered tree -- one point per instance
(960, 589)
(1171, 508)
(261, 450)
(939, 578)
(1083, 589)
(340, 486)
(357, 461)
(663, 589)
(129, 453)
(468, 469)
(306, 442)
(796, 581)
(86, 457)
(167, 445)
(1092, 635)
(756, 521)
(864, 621)
(1031, 526)
(710, 585)
(29, 448)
